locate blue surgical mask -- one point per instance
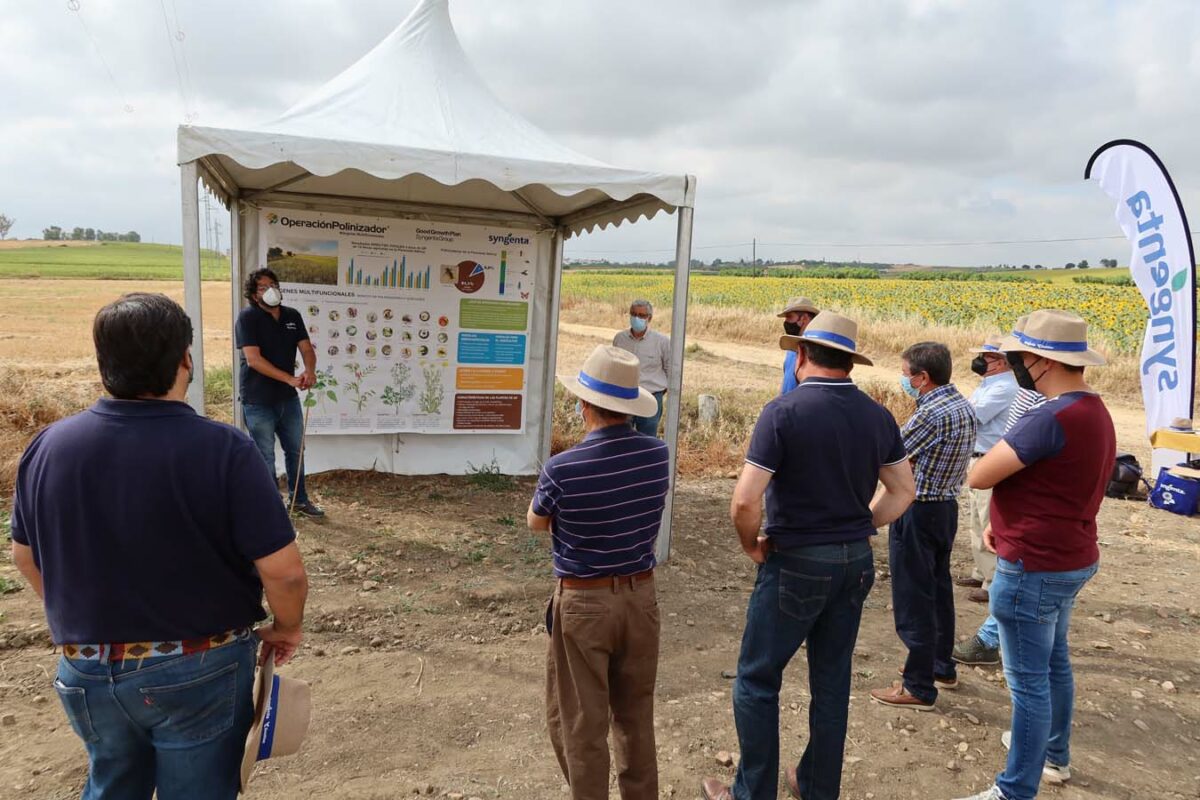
(909, 389)
(637, 324)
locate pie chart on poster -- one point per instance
(470, 277)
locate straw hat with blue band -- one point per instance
(609, 379)
(831, 330)
(1057, 335)
(282, 710)
(800, 305)
(990, 345)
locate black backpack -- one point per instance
(1126, 478)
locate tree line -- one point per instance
(57, 234)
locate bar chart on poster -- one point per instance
(418, 327)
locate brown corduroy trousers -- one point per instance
(601, 665)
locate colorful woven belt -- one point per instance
(140, 650)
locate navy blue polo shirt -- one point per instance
(824, 443)
(606, 497)
(277, 340)
(145, 520)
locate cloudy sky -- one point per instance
(871, 130)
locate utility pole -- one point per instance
(754, 252)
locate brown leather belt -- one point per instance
(605, 581)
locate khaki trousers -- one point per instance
(979, 503)
(601, 666)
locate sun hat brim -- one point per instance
(1077, 358)
(262, 679)
(793, 342)
(996, 351)
(644, 405)
(805, 307)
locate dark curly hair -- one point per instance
(250, 287)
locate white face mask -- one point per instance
(272, 297)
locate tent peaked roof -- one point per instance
(415, 122)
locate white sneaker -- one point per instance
(1051, 773)
(993, 793)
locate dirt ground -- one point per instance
(426, 647)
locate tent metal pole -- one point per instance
(556, 263)
(235, 296)
(679, 302)
(190, 195)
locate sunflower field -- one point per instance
(1116, 314)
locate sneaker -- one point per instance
(973, 652)
(969, 582)
(993, 793)
(1051, 773)
(945, 681)
(309, 509)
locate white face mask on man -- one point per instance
(272, 297)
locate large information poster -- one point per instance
(418, 326)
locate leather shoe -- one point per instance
(713, 789)
(978, 596)
(969, 582)
(793, 786)
(898, 697)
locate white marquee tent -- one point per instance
(411, 131)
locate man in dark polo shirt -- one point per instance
(151, 533)
(939, 438)
(269, 333)
(817, 453)
(602, 502)
(1048, 476)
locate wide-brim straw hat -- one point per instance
(282, 710)
(609, 380)
(799, 304)
(832, 330)
(990, 345)
(1056, 335)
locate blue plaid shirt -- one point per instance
(939, 438)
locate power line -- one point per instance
(74, 5)
(175, 62)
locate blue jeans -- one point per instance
(919, 546)
(811, 593)
(286, 420)
(649, 425)
(989, 632)
(1033, 610)
(176, 723)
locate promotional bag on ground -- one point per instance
(1176, 494)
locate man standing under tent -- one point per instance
(815, 565)
(602, 502)
(939, 438)
(653, 351)
(150, 533)
(796, 315)
(268, 334)
(992, 401)
(1048, 476)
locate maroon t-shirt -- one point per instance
(1045, 515)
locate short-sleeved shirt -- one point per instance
(992, 402)
(1045, 514)
(939, 438)
(1025, 400)
(653, 351)
(824, 443)
(277, 340)
(789, 372)
(606, 497)
(145, 520)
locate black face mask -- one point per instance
(791, 328)
(1021, 372)
(979, 365)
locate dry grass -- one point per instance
(32, 397)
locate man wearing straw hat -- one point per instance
(796, 315)
(992, 401)
(602, 502)
(151, 533)
(815, 561)
(1048, 476)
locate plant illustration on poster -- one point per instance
(408, 315)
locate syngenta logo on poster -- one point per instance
(325, 224)
(507, 239)
(1165, 294)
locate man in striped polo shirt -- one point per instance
(602, 502)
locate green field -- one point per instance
(108, 261)
(304, 268)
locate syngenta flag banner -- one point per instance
(1163, 266)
